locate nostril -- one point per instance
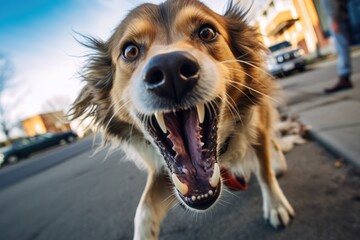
(171, 75)
(154, 78)
(189, 70)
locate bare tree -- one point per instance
(6, 73)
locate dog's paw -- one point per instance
(278, 212)
(280, 217)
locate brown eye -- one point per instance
(207, 34)
(131, 52)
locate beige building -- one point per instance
(46, 122)
(300, 22)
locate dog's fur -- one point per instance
(229, 80)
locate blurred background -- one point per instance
(40, 61)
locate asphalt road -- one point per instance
(95, 197)
(12, 174)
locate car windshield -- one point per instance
(279, 46)
(44, 136)
(29, 140)
(22, 142)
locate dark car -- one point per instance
(25, 147)
(284, 57)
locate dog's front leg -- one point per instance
(276, 207)
(278, 160)
(154, 204)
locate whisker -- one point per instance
(250, 64)
(252, 89)
(257, 80)
(249, 75)
(172, 199)
(233, 108)
(177, 204)
(168, 197)
(213, 108)
(132, 126)
(232, 83)
(110, 108)
(231, 193)
(262, 94)
(115, 113)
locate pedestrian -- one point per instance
(338, 19)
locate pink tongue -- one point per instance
(192, 132)
(184, 133)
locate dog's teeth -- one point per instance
(193, 198)
(214, 180)
(183, 188)
(201, 112)
(160, 120)
(211, 192)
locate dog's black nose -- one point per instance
(172, 75)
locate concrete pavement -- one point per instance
(334, 118)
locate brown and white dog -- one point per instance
(183, 91)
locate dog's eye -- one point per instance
(131, 52)
(207, 33)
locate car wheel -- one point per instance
(62, 142)
(70, 139)
(13, 159)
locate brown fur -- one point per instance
(245, 113)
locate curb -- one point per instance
(333, 149)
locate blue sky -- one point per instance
(23, 24)
(37, 36)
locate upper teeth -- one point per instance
(214, 180)
(159, 116)
(160, 119)
(201, 112)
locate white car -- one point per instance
(283, 58)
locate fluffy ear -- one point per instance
(248, 49)
(245, 39)
(97, 74)
(94, 100)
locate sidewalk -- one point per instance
(334, 119)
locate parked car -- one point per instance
(23, 148)
(284, 57)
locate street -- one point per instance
(94, 196)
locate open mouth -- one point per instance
(187, 138)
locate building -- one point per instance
(304, 24)
(297, 21)
(46, 122)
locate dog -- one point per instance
(182, 90)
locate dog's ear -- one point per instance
(244, 39)
(94, 100)
(97, 74)
(248, 49)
